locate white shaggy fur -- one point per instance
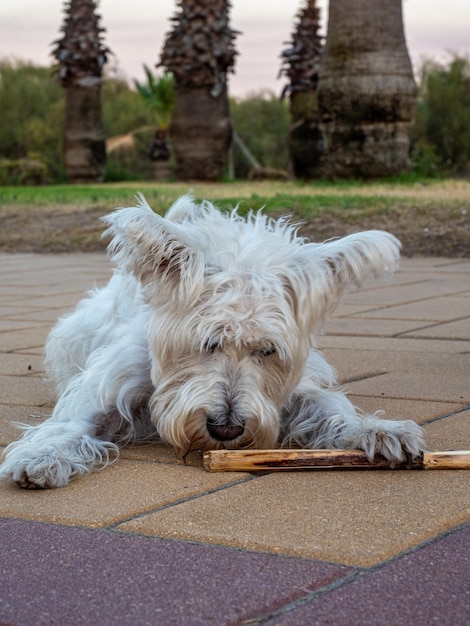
(204, 337)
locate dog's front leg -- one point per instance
(67, 444)
(327, 419)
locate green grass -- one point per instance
(300, 199)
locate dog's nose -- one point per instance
(224, 432)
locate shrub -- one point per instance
(262, 122)
(441, 135)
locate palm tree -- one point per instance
(199, 52)
(366, 91)
(300, 63)
(81, 55)
(159, 95)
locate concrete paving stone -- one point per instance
(21, 365)
(37, 285)
(426, 586)
(448, 308)
(48, 316)
(28, 262)
(393, 344)
(449, 433)
(13, 324)
(53, 276)
(377, 327)
(334, 516)
(25, 338)
(61, 302)
(36, 351)
(458, 329)
(158, 453)
(435, 377)
(21, 413)
(435, 264)
(427, 287)
(399, 408)
(59, 575)
(344, 310)
(367, 368)
(419, 386)
(118, 492)
(24, 390)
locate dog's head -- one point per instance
(235, 305)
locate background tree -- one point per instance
(158, 93)
(80, 56)
(32, 106)
(199, 52)
(441, 135)
(366, 91)
(301, 62)
(261, 120)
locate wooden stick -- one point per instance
(262, 460)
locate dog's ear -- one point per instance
(354, 259)
(328, 269)
(151, 247)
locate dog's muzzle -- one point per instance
(224, 432)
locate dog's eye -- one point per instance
(212, 345)
(268, 351)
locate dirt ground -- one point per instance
(438, 227)
(431, 232)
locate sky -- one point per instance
(135, 32)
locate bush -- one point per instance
(28, 171)
(262, 122)
(441, 135)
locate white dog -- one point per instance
(204, 338)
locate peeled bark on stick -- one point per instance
(262, 460)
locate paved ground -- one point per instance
(151, 541)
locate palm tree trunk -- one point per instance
(305, 140)
(301, 61)
(199, 51)
(81, 55)
(366, 91)
(201, 133)
(84, 139)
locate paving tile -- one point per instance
(393, 344)
(415, 377)
(21, 364)
(427, 586)
(159, 453)
(435, 264)
(338, 517)
(426, 287)
(29, 315)
(62, 302)
(23, 414)
(120, 491)
(437, 309)
(458, 329)
(399, 408)
(13, 324)
(24, 339)
(29, 390)
(376, 328)
(60, 575)
(450, 433)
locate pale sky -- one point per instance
(136, 30)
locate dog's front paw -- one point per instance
(396, 441)
(38, 473)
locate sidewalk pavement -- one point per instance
(152, 541)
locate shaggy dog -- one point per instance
(205, 338)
